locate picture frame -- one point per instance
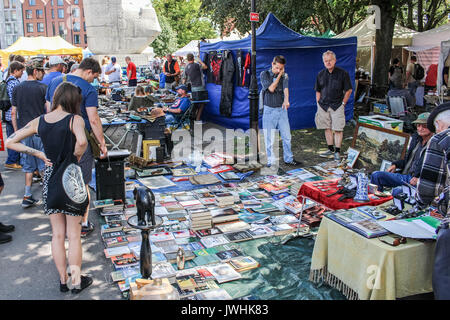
(149, 149)
(352, 156)
(377, 144)
(385, 165)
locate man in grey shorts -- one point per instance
(333, 89)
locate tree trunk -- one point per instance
(384, 43)
(420, 15)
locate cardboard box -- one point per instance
(383, 122)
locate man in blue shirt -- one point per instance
(181, 104)
(88, 70)
(56, 65)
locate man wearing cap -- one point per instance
(56, 66)
(179, 107)
(114, 73)
(434, 184)
(131, 72)
(411, 165)
(28, 102)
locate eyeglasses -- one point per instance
(424, 125)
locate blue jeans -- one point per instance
(30, 163)
(13, 156)
(412, 87)
(441, 268)
(277, 118)
(388, 179)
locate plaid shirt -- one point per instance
(12, 82)
(433, 178)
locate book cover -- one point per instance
(243, 263)
(233, 226)
(205, 260)
(183, 172)
(229, 175)
(124, 260)
(215, 294)
(207, 232)
(260, 232)
(116, 251)
(228, 254)
(115, 242)
(224, 272)
(214, 240)
(221, 168)
(368, 228)
(103, 203)
(253, 217)
(163, 270)
(238, 236)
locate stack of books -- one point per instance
(224, 199)
(200, 219)
(224, 215)
(241, 264)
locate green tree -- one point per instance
(185, 20)
(166, 42)
(423, 15)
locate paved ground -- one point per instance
(27, 268)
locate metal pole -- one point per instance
(253, 90)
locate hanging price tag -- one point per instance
(254, 17)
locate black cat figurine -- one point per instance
(145, 204)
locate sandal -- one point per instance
(84, 283)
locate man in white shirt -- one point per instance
(114, 73)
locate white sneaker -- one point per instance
(326, 154)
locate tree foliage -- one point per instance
(185, 20)
(166, 42)
(423, 15)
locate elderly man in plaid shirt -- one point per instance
(434, 185)
(16, 69)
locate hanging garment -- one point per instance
(214, 62)
(239, 67)
(227, 78)
(247, 70)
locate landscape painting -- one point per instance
(377, 144)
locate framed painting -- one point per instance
(352, 156)
(377, 144)
(149, 149)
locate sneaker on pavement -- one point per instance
(294, 163)
(337, 156)
(326, 154)
(6, 228)
(29, 202)
(84, 283)
(4, 238)
(85, 230)
(13, 166)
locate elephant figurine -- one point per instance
(145, 204)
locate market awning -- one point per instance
(31, 46)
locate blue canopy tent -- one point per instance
(304, 61)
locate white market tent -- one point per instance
(193, 46)
(365, 32)
(432, 47)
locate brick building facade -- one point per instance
(50, 18)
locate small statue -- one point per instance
(180, 259)
(145, 204)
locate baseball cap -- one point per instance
(36, 63)
(434, 113)
(422, 118)
(54, 60)
(113, 59)
(183, 87)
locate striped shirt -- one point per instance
(12, 82)
(436, 167)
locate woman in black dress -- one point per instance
(52, 128)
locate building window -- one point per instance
(76, 39)
(40, 27)
(53, 14)
(9, 40)
(32, 2)
(75, 2)
(61, 29)
(30, 27)
(53, 3)
(53, 28)
(61, 13)
(13, 4)
(76, 12)
(8, 28)
(84, 26)
(29, 14)
(6, 4)
(16, 28)
(85, 39)
(60, 2)
(13, 16)
(76, 26)
(39, 14)
(7, 15)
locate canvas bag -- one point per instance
(5, 103)
(419, 72)
(66, 188)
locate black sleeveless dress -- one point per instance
(56, 142)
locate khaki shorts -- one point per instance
(334, 120)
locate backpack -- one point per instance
(419, 72)
(396, 77)
(5, 103)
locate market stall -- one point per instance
(32, 46)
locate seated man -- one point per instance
(412, 164)
(398, 91)
(181, 104)
(141, 99)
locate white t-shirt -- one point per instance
(116, 76)
(104, 77)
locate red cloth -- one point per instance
(132, 67)
(332, 202)
(2, 142)
(431, 78)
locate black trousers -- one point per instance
(132, 83)
(441, 268)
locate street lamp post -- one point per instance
(253, 90)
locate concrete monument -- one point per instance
(120, 26)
